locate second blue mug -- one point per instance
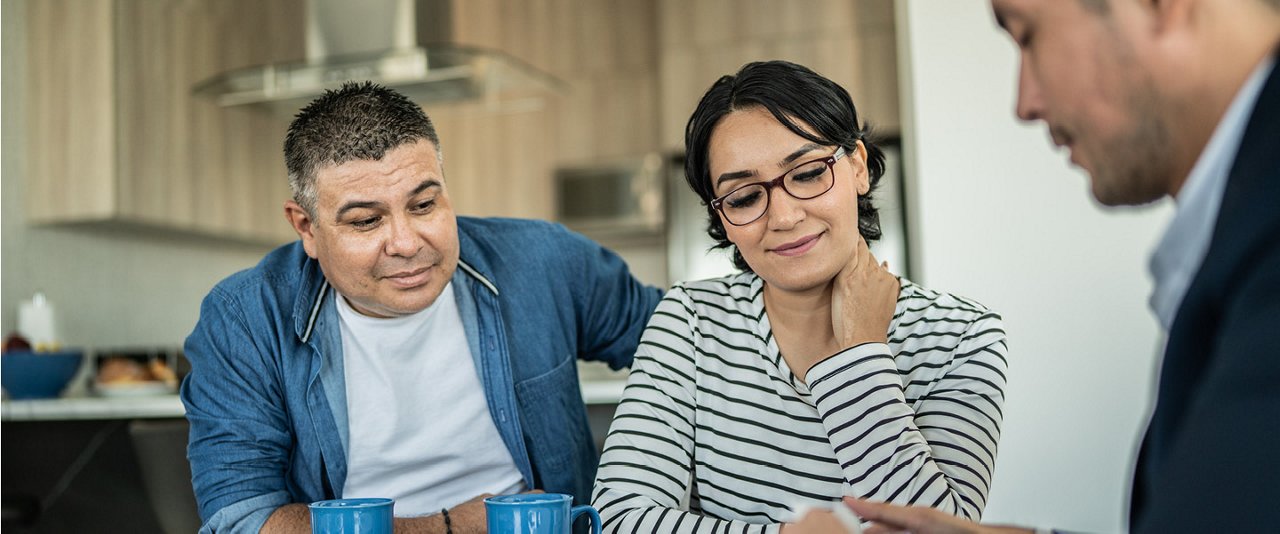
(536, 513)
(352, 516)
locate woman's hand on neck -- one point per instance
(864, 296)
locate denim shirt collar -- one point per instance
(308, 303)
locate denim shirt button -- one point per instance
(502, 415)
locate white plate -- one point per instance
(132, 389)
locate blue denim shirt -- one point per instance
(266, 396)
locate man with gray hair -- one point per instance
(397, 350)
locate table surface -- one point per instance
(169, 406)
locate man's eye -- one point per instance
(425, 206)
(368, 222)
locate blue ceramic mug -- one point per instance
(536, 513)
(352, 516)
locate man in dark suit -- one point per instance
(1177, 98)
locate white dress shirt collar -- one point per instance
(1177, 258)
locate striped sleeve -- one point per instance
(645, 471)
(936, 450)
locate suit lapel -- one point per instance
(1248, 215)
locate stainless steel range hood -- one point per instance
(405, 44)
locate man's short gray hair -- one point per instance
(359, 121)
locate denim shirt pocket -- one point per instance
(551, 404)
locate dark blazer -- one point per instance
(1210, 461)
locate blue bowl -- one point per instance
(31, 375)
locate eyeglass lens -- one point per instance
(804, 182)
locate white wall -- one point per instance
(111, 289)
(1000, 217)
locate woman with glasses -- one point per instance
(814, 373)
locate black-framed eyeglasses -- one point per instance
(747, 203)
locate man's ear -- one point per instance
(302, 223)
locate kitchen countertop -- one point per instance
(80, 408)
(169, 406)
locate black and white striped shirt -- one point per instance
(715, 434)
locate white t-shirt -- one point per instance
(420, 429)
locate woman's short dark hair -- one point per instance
(798, 97)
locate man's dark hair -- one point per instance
(798, 98)
(359, 121)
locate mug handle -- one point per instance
(595, 516)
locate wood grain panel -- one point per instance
(626, 123)
(155, 187)
(633, 26)
(606, 52)
(528, 165)
(71, 148)
(239, 184)
(878, 87)
(122, 72)
(680, 86)
(117, 133)
(462, 152)
(849, 41)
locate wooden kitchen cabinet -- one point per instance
(116, 134)
(852, 42)
(633, 71)
(502, 162)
